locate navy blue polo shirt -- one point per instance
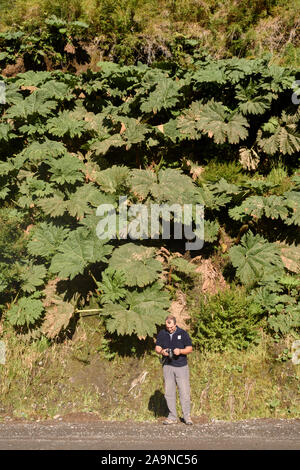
(180, 339)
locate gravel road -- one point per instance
(256, 434)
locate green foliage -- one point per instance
(138, 313)
(45, 239)
(26, 312)
(70, 143)
(279, 303)
(36, 104)
(222, 321)
(77, 252)
(215, 120)
(280, 134)
(66, 123)
(133, 31)
(255, 259)
(215, 170)
(137, 263)
(32, 276)
(112, 286)
(273, 207)
(66, 169)
(181, 265)
(162, 187)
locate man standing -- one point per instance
(175, 368)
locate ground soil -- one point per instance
(86, 431)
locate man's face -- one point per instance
(170, 326)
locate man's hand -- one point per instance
(177, 351)
(162, 351)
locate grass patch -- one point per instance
(39, 383)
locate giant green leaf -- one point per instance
(112, 286)
(45, 239)
(255, 259)
(32, 276)
(26, 312)
(103, 146)
(54, 206)
(165, 95)
(66, 123)
(219, 122)
(139, 313)
(35, 104)
(37, 152)
(114, 179)
(79, 250)
(137, 263)
(67, 169)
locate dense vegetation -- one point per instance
(169, 102)
(66, 33)
(224, 134)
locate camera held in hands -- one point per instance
(170, 352)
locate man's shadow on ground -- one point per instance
(157, 404)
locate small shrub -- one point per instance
(223, 321)
(215, 170)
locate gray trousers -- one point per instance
(177, 376)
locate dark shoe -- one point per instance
(170, 421)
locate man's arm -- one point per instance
(161, 351)
(187, 350)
